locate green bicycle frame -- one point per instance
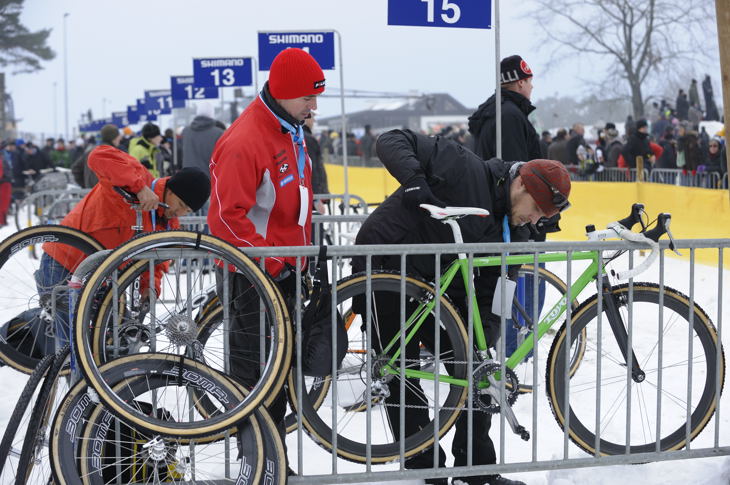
(416, 319)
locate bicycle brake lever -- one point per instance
(672, 246)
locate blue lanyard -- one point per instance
(153, 212)
(506, 235)
(297, 134)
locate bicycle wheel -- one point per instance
(27, 333)
(164, 320)
(554, 290)
(351, 380)
(89, 445)
(10, 446)
(34, 444)
(614, 391)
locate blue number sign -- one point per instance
(472, 14)
(158, 101)
(132, 114)
(183, 88)
(320, 44)
(119, 118)
(222, 72)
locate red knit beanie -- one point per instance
(294, 73)
(553, 173)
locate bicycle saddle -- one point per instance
(444, 213)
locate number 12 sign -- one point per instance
(222, 72)
(471, 14)
(182, 87)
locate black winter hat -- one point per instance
(192, 185)
(514, 68)
(641, 123)
(150, 130)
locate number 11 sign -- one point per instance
(471, 14)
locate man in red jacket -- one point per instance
(106, 216)
(261, 181)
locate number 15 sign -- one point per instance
(472, 14)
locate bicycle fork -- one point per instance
(618, 328)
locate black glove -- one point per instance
(418, 192)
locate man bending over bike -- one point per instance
(438, 171)
(107, 216)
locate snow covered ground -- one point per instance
(704, 471)
(549, 436)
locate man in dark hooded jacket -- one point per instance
(439, 171)
(199, 138)
(520, 141)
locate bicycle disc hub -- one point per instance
(156, 449)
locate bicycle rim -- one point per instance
(554, 289)
(28, 316)
(91, 446)
(352, 422)
(271, 319)
(615, 394)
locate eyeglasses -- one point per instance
(713, 145)
(559, 200)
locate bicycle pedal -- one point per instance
(523, 433)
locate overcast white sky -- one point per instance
(116, 50)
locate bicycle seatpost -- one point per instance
(138, 227)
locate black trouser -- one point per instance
(244, 341)
(388, 317)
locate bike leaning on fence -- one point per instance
(632, 371)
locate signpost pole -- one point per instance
(255, 76)
(174, 139)
(723, 35)
(498, 77)
(344, 125)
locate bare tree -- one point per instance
(635, 40)
(19, 46)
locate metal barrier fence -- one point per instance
(611, 174)
(677, 176)
(543, 452)
(47, 206)
(359, 400)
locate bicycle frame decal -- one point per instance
(416, 319)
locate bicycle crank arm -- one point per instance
(509, 414)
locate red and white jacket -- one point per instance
(255, 186)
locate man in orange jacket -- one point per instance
(106, 216)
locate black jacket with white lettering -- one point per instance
(456, 176)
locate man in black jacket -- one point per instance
(439, 171)
(519, 138)
(638, 146)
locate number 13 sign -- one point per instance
(472, 14)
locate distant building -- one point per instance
(418, 114)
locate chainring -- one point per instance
(481, 399)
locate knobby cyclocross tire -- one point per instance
(204, 246)
(615, 394)
(6, 445)
(19, 294)
(42, 405)
(351, 438)
(558, 288)
(87, 440)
